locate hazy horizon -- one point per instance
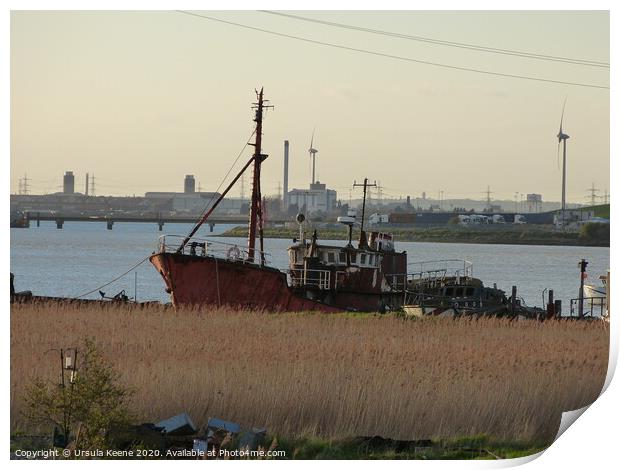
(142, 98)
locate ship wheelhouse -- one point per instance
(373, 266)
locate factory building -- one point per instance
(190, 184)
(316, 199)
(534, 202)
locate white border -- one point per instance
(591, 442)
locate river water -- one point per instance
(84, 255)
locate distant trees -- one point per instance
(595, 232)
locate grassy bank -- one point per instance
(475, 447)
(328, 377)
(530, 235)
(601, 210)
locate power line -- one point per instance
(390, 56)
(494, 50)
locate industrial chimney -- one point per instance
(68, 183)
(285, 194)
(190, 184)
(86, 190)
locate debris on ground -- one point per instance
(179, 425)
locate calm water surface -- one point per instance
(84, 255)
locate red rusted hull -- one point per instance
(197, 280)
(193, 280)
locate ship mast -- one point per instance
(256, 209)
(256, 216)
(365, 185)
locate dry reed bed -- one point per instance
(328, 375)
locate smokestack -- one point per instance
(285, 195)
(86, 190)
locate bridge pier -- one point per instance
(160, 225)
(38, 219)
(59, 223)
(211, 225)
(110, 224)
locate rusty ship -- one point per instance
(369, 275)
(366, 275)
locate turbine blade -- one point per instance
(562, 118)
(312, 139)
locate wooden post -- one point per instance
(550, 305)
(513, 300)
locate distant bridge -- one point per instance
(160, 220)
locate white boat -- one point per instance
(594, 292)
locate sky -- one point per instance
(140, 99)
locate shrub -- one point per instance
(595, 232)
(84, 409)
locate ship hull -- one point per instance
(198, 280)
(194, 280)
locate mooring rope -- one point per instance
(113, 280)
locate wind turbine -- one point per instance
(312, 151)
(563, 137)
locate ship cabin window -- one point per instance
(371, 260)
(331, 257)
(459, 292)
(449, 291)
(342, 257)
(363, 258)
(469, 291)
(353, 258)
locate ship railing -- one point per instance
(423, 299)
(209, 248)
(593, 307)
(440, 269)
(316, 278)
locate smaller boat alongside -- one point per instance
(447, 288)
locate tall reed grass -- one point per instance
(328, 375)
